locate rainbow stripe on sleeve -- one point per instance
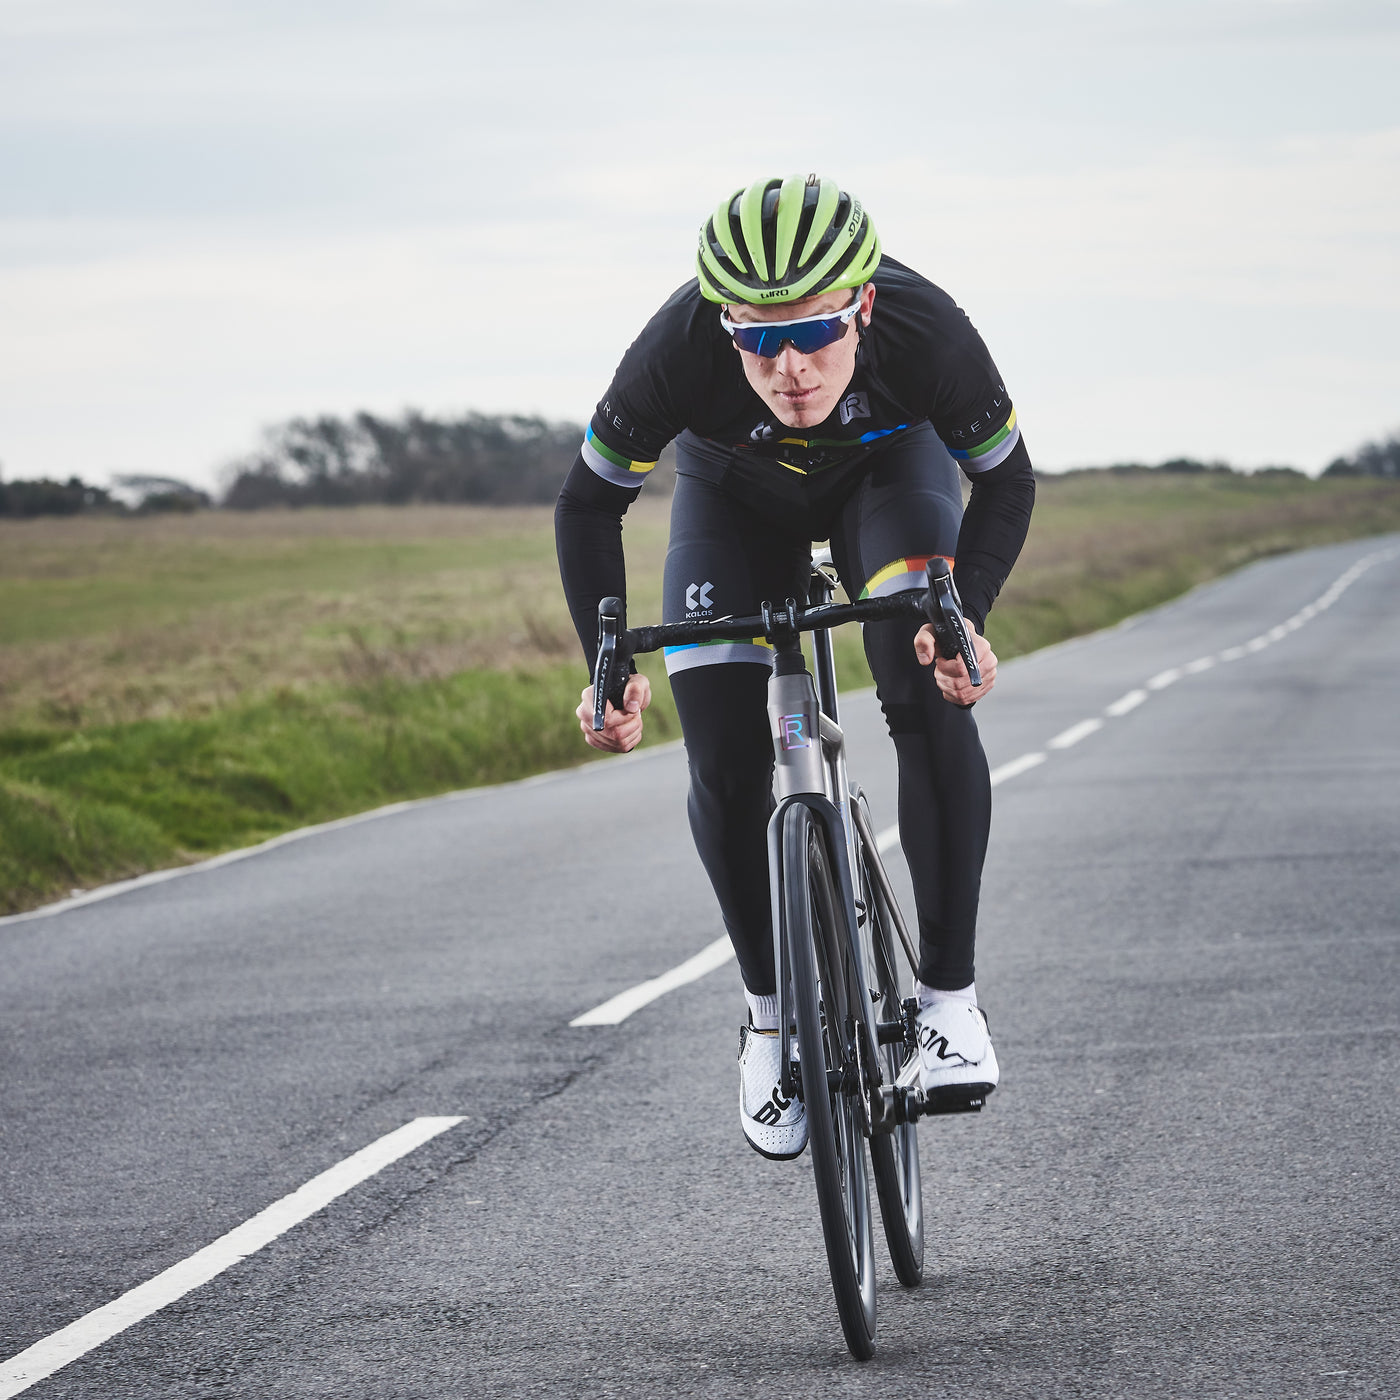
(991, 453)
(613, 466)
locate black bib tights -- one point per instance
(731, 548)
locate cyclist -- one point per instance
(815, 390)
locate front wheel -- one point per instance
(894, 1155)
(820, 953)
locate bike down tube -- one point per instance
(882, 878)
(794, 724)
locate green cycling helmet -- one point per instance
(783, 240)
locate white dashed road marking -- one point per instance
(610, 1013)
(78, 1338)
(617, 1009)
(1006, 771)
(1125, 703)
(1069, 737)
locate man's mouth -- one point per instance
(796, 396)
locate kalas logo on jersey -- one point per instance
(697, 596)
(854, 406)
(762, 433)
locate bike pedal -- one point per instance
(956, 1098)
(913, 1103)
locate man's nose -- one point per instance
(789, 362)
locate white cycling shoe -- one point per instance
(775, 1126)
(956, 1059)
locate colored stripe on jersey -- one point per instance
(861, 441)
(900, 576)
(847, 445)
(991, 453)
(694, 654)
(612, 466)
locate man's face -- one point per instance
(801, 390)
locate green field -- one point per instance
(171, 686)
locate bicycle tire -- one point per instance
(820, 985)
(894, 1156)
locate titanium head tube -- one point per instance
(794, 722)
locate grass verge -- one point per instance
(113, 800)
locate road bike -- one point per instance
(847, 1033)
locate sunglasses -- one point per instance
(806, 335)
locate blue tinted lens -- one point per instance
(805, 337)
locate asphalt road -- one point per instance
(1186, 1185)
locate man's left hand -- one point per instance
(950, 673)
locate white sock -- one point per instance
(928, 995)
(763, 1011)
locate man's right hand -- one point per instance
(622, 729)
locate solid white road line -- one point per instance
(57, 1350)
(617, 1009)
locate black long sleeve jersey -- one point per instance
(920, 360)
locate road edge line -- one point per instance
(300, 833)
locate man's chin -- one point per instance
(801, 416)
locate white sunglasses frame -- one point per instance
(844, 314)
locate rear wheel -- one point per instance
(893, 1155)
(819, 958)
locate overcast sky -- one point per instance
(1176, 224)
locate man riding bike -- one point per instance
(815, 390)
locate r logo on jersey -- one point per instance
(854, 406)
